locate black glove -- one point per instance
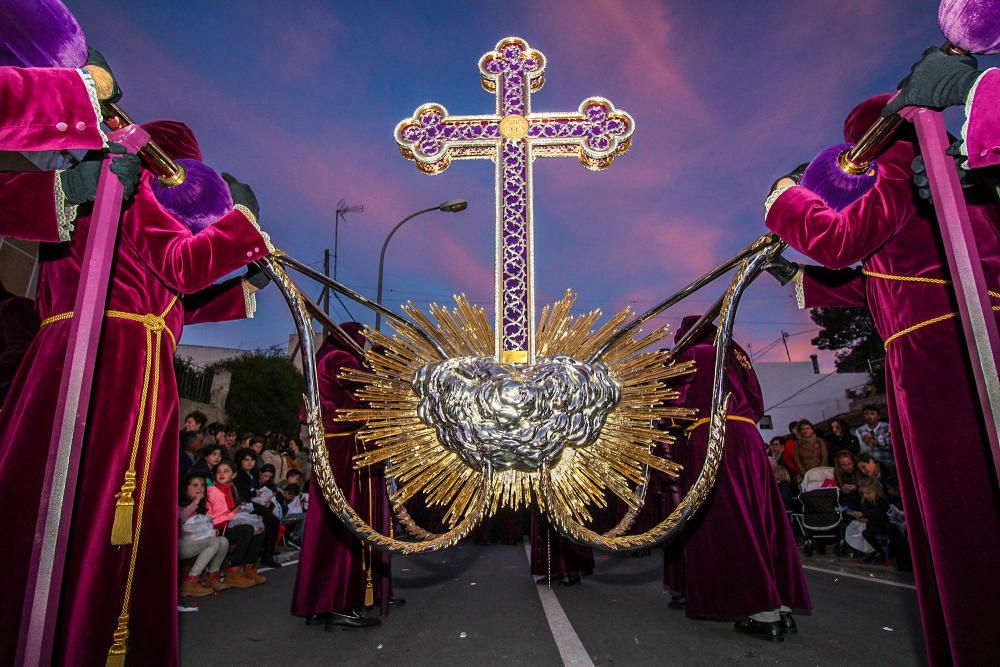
(937, 80)
(79, 183)
(256, 276)
(242, 194)
(794, 174)
(782, 269)
(968, 178)
(96, 58)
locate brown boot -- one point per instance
(215, 583)
(251, 572)
(191, 587)
(236, 579)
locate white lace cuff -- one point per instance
(249, 298)
(253, 221)
(800, 290)
(88, 81)
(773, 197)
(968, 110)
(65, 211)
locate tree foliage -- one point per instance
(265, 393)
(850, 332)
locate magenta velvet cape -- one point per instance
(941, 451)
(982, 132)
(739, 551)
(43, 109)
(157, 257)
(331, 574)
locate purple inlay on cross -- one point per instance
(512, 137)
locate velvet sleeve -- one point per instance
(222, 302)
(839, 239)
(818, 287)
(189, 262)
(982, 126)
(33, 207)
(48, 109)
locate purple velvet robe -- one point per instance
(566, 557)
(44, 109)
(331, 572)
(18, 326)
(982, 131)
(941, 451)
(739, 552)
(157, 259)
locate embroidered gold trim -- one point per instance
(800, 289)
(253, 221)
(732, 418)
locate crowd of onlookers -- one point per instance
(857, 462)
(240, 496)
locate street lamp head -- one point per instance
(454, 205)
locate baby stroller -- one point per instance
(819, 498)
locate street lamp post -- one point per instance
(450, 206)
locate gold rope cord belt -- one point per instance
(732, 418)
(122, 528)
(929, 281)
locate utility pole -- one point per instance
(342, 209)
(326, 272)
(784, 341)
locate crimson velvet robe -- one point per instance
(553, 553)
(49, 218)
(332, 564)
(45, 109)
(941, 450)
(18, 326)
(982, 129)
(157, 260)
(740, 556)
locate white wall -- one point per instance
(793, 391)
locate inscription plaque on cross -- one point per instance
(513, 137)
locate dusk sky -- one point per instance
(300, 99)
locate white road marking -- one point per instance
(871, 580)
(570, 647)
(268, 569)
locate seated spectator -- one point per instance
(198, 539)
(256, 443)
(793, 471)
(195, 421)
(191, 444)
(295, 516)
(218, 433)
(244, 441)
(247, 490)
(293, 476)
(230, 442)
(296, 459)
(270, 456)
(874, 513)
(268, 492)
(243, 529)
(874, 436)
(885, 473)
(846, 472)
(208, 458)
(810, 449)
(841, 439)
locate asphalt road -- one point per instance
(477, 605)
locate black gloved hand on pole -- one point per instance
(256, 276)
(782, 269)
(936, 81)
(242, 194)
(795, 174)
(79, 183)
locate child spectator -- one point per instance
(208, 458)
(191, 444)
(247, 490)
(841, 438)
(296, 514)
(230, 439)
(267, 493)
(237, 524)
(776, 454)
(885, 473)
(874, 513)
(218, 433)
(199, 540)
(810, 449)
(848, 475)
(793, 471)
(195, 421)
(293, 476)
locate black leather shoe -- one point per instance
(349, 620)
(571, 580)
(772, 631)
(316, 619)
(397, 602)
(789, 623)
(678, 602)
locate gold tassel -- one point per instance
(116, 654)
(369, 588)
(121, 529)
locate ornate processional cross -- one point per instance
(513, 137)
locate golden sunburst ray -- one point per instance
(617, 461)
